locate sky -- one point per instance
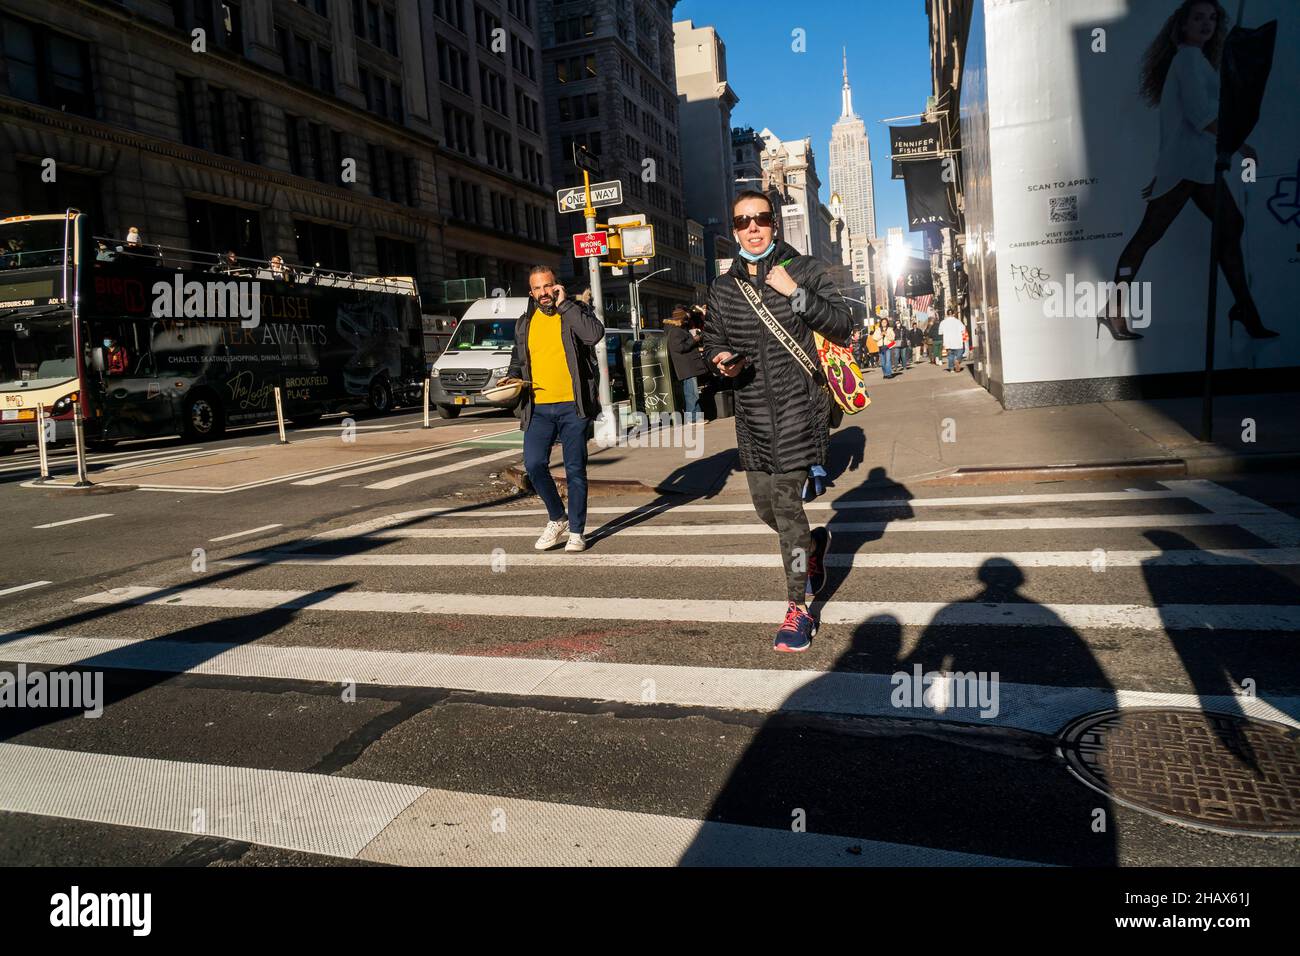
(798, 94)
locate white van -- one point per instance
(477, 355)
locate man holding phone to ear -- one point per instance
(554, 361)
(782, 413)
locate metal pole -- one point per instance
(426, 403)
(606, 425)
(634, 301)
(1211, 305)
(78, 428)
(279, 416)
(40, 444)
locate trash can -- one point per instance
(652, 387)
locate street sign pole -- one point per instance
(634, 300)
(606, 425)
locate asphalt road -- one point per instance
(623, 705)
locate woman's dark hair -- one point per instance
(1156, 60)
(751, 194)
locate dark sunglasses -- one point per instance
(764, 219)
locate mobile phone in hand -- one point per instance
(731, 362)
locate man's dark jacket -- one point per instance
(782, 415)
(581, 331)
(684, 349)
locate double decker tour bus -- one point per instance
(159, 341)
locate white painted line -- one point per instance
(1275, 527)
(240, 534)
(24, 587)
(838, 505)
(1268, 557)
(384, 466)
(316, 813)
(1233, 617)
(398, 823)
(444, 470)
(902, 525)
(168, 459)
(58, 524)
(1037, 707)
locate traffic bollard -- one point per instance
(279, 416)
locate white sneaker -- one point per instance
(551, 536)
(576, 542)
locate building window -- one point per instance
(485, 26)
(217, 120)
(319, 244)
(458, 130)
(231, 34)
(453, 66)
(247, 127)
(451, 11)
(526, 110)
(216, 227)
(187, 110)
(390, 31)
(521, 57)
(325, 69)
(396, 258)
(293, 143)
(492, 90)
(315, 136)
(521, 10)
(497, 145)
(46, 67)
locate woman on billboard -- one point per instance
(1180, 76)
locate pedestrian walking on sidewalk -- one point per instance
(953, 334)
(761, 314)
(554, 361)
(685, 331)
(887, 347)
(873, 347)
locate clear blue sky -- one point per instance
(798, 94)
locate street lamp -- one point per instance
(634, 300)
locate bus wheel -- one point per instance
(202, 418)
(381, 397)
(448, 411)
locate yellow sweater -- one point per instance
(550, 369)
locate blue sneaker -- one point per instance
(797, 632)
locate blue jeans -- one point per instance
(690, 396)
(954, 355)
(885, 362)
(549, 422)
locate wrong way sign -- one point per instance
(589, 245)
(602, 194)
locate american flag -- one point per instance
(921, 303)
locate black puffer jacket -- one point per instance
(782, 415)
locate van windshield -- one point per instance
(490, 336)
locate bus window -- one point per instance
(35, 354)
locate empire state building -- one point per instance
(850, 178)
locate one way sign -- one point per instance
(602, 194)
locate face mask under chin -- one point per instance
(754, 256)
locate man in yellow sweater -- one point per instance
(554, 356)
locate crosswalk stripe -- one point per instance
(1236, 617)
(965, 501)
(901, 525)
(390, 822)
(1035, 707)
(382, 466)
(444, 470)
(1275, 527)
(1100, 559)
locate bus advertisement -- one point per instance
(161, 347)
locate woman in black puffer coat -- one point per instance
(782, 414)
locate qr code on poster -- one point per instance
(1064, 208)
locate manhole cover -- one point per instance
(1218, 771)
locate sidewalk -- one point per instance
(935, 427)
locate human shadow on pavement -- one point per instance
(871, 750)
(682, 486)
(859, 517)
(1222, 664)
